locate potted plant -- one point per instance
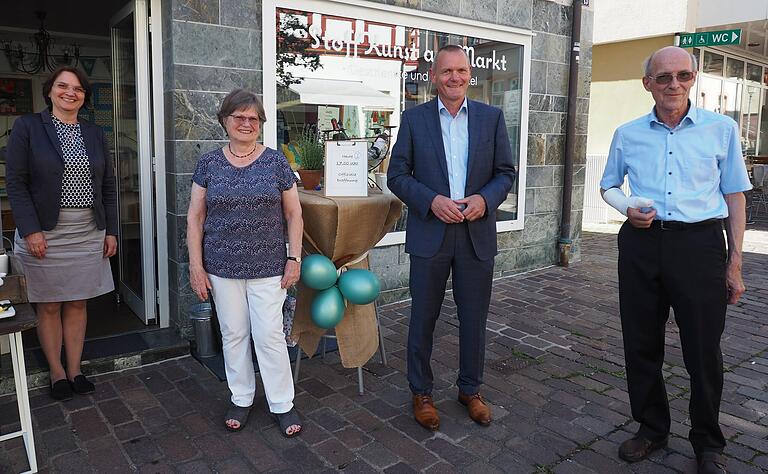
(311, 158)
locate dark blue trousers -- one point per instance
(472, 279)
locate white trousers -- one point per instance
(254, 309)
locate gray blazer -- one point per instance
(34, 171)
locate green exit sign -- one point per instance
(710, 38)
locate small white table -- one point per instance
(25, 318)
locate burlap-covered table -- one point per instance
(343, 229)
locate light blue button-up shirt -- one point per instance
(456, 144)
(686, 170)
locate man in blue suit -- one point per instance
(452, 166)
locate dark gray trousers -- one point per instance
(472, 280)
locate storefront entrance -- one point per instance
(111, 43)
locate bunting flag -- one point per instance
(88, 64)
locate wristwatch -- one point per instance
(295, 259)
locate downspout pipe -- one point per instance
(565, 241)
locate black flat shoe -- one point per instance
(711, 463)
(82, 386)
(61, 390)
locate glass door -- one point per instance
(133, 156)
(750, 123)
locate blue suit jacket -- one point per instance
(35, 168)
(418, 172)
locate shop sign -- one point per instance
(710, 38)
(368, 44)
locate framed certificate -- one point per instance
(346, 168)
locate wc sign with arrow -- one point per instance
(710, 38)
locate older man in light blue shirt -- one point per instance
(687, 170)
(687, 176)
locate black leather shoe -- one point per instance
(710, 462)
(82, 385)
(639, 448)
(61, 390)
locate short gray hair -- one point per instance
(451, 48)
(240, 99)
(649, 59)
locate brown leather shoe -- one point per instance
(425, 412)
(478, 410)
(638, 448)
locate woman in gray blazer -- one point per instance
(62, 191)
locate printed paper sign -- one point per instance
(346, 168)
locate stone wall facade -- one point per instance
(213, 46)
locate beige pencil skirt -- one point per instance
(74, 267)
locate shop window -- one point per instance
(710, 93)
(739, 92)
(754, 73)
(712, 64)
(734, 69)
(762, 149)
(750, 123)
(732, 92)
(750, 119)
(351, 78)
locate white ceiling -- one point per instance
(86, 17)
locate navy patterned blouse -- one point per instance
(243, 234)
(76, 183)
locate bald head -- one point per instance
(667, 53)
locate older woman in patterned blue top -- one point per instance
(241, 195)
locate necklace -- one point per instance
(242, 156)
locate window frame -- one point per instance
(401, 17)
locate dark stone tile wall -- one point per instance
(212, 47)
(215, 45)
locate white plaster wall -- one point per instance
(720, 12)
(612, 104)
(623, 20)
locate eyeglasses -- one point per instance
(63, 87)
(241, 119)
(682, 76)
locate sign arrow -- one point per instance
(734, 37)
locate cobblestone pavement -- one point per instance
(554, 374)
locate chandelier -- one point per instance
(42, 57)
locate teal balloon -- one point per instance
(359, 286)
(318, 272)
(327, 308)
